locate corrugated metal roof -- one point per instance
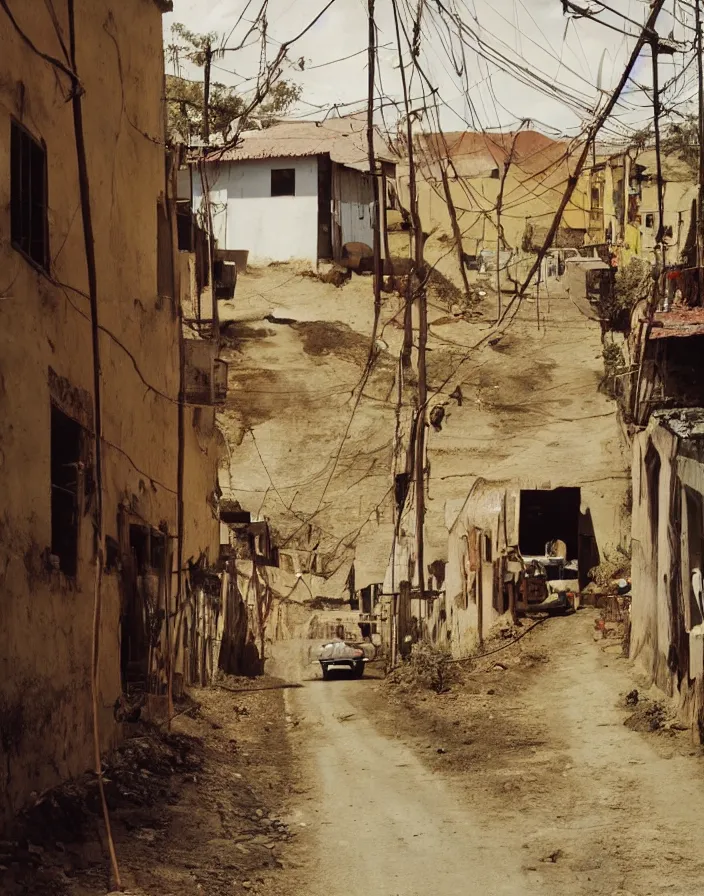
(476, 153)
(343, 139)
(678, 323)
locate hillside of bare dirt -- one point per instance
(523, 404)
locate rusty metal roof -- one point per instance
(343, 139)
(680, 322)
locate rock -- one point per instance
(441, 750)
(632, 697)
(500, 667)
(553, 857)
(491, 692)
(335, 274)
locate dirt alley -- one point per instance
(522, 779)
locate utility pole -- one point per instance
(206, 92)
(700, 130)
(376, 206)
(656, 125)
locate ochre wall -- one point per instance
(46, 619)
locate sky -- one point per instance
(581, 56)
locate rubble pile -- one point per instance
(58, 833)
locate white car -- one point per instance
(340, 654)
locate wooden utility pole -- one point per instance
(416, 228)
(206, 93)
(656, 125)
(456, 232)
(700, 130)
(376, 223)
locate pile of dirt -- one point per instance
(652, 716)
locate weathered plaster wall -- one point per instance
(528, 195)
(664, 636)
(203, 451)
(273, 228)
(677, 214)
(46, 619)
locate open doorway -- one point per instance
(547, 515)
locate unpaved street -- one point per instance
(522, 780)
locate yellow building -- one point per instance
(522, 176)
(83, 179)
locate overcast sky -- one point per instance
(581, 55)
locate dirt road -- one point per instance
(521, 780)
(381, 815)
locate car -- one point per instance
(342, 654)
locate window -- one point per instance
(28, 196)
(650, 221)
(283, 182)
(65, 457)
(148, 548)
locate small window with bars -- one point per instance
(28, 196)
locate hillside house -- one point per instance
(49, 412)
(297, 190)
(534, 170)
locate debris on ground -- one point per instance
(650, 715)
(427, 668)
(185, 819)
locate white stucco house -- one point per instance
(298, 190)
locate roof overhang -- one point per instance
(678, 324)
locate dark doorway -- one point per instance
(65, 458)
(324, 211)
(547, 515)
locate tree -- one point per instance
(185, 97)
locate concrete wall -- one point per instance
(527, 197)
(247, 216)
(677, 208)
(46, 621)
(667, 637)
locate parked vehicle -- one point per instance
(341, 654)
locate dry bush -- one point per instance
(427, 668)
(614, 566)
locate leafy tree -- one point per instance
(185, 97)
